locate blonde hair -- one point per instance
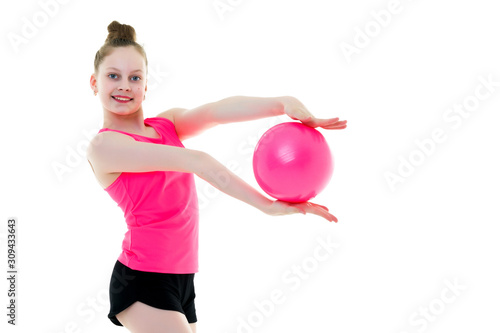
(119, 35)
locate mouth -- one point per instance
(122, 99)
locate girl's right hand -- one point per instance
(279, 207)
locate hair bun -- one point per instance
(117, 30)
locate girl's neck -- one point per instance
(132, 123)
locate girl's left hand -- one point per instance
(279, 207)
(297, 111)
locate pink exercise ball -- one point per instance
(292, 162)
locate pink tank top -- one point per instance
(161, 212)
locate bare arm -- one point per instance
(223, 179)
(111, 152)
(192, 122)
(243, 108)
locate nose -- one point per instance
(124, 85)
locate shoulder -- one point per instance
(100, 147)
(102, 142)
(171, 114)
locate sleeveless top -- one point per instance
(161, 212)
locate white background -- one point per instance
(397, 248)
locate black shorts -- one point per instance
(160, 290)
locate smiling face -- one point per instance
(121, 81)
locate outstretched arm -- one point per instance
(111, 152)
(191, 122)
(223, 179)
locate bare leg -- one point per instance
(142, 318)
(193, 327)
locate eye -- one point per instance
(112, 76)
(136, 78)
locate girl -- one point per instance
(144, 167)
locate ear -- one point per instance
(93, 82)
